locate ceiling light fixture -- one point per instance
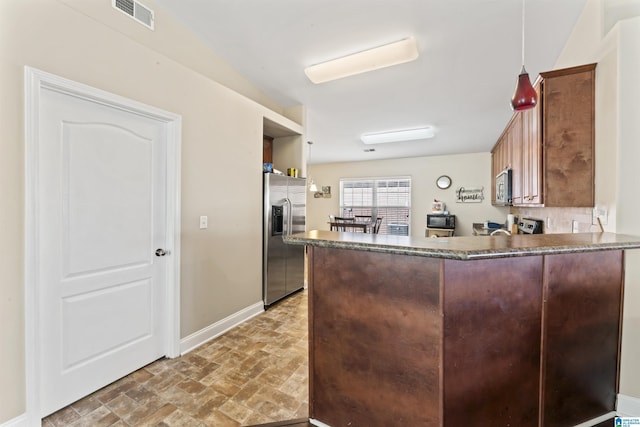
(525, 95)
(398, 135)
(372, 59)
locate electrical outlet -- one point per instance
(204, 222)
(574, 226)
(602, 213)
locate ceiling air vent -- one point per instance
(135, 10)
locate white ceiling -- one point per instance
(470, 56)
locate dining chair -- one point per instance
(341, 223)
(376, 226)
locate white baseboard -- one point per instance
(20, 421)
(597, 420)
(628, 406)
(204, 335)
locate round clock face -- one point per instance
(443, 182)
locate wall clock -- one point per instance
(443, 182)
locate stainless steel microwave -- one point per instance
(441, 221)
(503, 187)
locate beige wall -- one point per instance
(617, 148)
(628, 203)
(465, 170)
(90, 42)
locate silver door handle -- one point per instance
(161, 252)
(289, 217)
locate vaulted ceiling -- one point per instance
(470, 56)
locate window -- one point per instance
(389, 198)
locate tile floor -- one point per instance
(256, 373)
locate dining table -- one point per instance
(350, 226)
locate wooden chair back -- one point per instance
(376, 226)
(341, 223)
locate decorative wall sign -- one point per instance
(470, 195)
(325, 193)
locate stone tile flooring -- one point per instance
(256, 373)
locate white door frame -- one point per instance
(34, 81)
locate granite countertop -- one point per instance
(468, 247)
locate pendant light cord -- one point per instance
(523, 33)
(311, 184)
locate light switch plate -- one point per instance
(204, 222)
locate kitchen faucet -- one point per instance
(500, 230)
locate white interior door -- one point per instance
(101, 215)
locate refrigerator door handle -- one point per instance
(288, 217)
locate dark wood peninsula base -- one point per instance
(398, 338)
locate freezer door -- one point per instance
(295, 260)
(297, 195)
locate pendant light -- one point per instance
(525, 95)
(312, 185)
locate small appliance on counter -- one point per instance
(503, 187)
(440, 225)
(530, 226)
(441, 221)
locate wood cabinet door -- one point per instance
(532, 154)
(497, 165)
(500, 159)
(267, 149)
(515, 158)
(568, 137)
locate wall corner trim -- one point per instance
(628, 406)
(214, 330)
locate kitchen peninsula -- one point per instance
(519, 330)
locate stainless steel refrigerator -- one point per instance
(284, 213)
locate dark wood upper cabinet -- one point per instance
(550, 148)
(531, 155)
(507, 154)
(267, 149)
(568, 117)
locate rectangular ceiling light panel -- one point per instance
(373, 59)
(398, 136)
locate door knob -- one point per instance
(161, 252)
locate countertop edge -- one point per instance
(344, 241)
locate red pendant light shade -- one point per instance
(525, 95)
